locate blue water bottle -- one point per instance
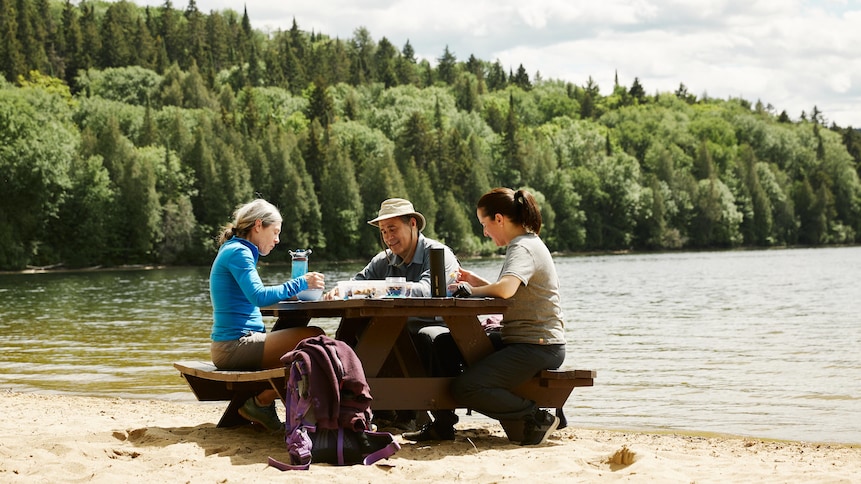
(300, 262)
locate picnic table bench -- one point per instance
(549, 389)
(209, 384)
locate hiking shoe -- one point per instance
(538, 427)
(430, 431)
(391, 421)
(266, 416)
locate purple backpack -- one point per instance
(328, 408)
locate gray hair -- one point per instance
(244, 218)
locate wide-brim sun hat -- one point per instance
(398, 207)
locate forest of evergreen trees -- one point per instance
(128, 135)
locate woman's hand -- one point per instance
(460, 289)
(504, 288)
(314, 279)
(471, 278)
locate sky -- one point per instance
(790, 54)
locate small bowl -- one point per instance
(309, 294)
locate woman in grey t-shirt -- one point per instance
(533, 337)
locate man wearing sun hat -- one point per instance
(407, 254)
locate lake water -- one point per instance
(753, 343)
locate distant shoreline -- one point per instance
(61, 268)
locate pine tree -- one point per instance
(496, 78)
(340, 205)
(170, 33)
(511, 150)
(521, 79)
(46, 35)
(320, 105)
(117, 31)
(195, 94)
(255, 73)
(406, 65)
(475, 66)
(294, 70)
(149, 128)
(413, 144)
(195, 42)
(32, 46)
(637, 92)
(12, 58)
(361, 57)
(384, 61)
(91, 41)
(145, 46)
(217, 41)
(315, 155)
(447, 67)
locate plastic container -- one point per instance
(396, 287)
(361, 289)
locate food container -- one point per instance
(396, 287)
(361, 289)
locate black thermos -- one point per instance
(437, 272)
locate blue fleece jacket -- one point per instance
(237, 293)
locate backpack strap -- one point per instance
(287, 467)
(384, 453)
(299, 444)
(299, 448)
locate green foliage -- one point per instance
(128, 85)
(341, 207)
(37, 148)
(453, 226)
(78, 233)
(156, 123)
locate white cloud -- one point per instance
(793, 54)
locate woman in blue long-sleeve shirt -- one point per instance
(239, 338)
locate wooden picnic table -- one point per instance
(377, 330)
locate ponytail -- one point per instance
(225, 235)
(530, 214)
(519, 206)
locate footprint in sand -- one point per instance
(623, 457)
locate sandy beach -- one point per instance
(52, 438)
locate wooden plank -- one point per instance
(434, 393)
(411, 393)
(568, 378)
(208, 371)
(568, 374)
(412, 307)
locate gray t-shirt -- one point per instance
(535, 315)
(385, 264)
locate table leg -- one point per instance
(377, 341)
(469, 337)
